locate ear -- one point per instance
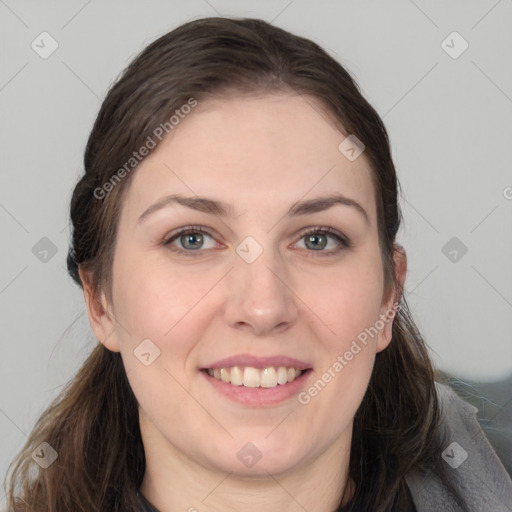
(389, 305)
(101, 320)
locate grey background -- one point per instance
(449, 121)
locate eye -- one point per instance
(324, 240)
(189, 240)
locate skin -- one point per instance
(260, 154)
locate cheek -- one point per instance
(160, 397)
(336, 391)
(154, 298)
(347, 299)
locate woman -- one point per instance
(234, 235)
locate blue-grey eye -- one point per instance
(321, 239)
(192, 240)
(316, 241)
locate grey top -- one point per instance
(478, 475)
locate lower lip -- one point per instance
(259, 396)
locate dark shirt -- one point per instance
(145, 505)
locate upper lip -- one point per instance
(258, 362)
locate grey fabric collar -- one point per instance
(482, 482)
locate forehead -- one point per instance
(253, 151)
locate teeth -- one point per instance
(236, 376)
(268, 378)
(254, 378)
(282, 375)
(251, 377)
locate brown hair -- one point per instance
(93, 424)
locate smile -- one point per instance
(251, 377)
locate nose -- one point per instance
(260, 298)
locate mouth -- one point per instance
(257, 380)
(257, 387)
(250, 377)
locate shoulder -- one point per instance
(475, 470)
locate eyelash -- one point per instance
(344, 243)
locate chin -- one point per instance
(259, 457)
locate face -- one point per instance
(253, 302)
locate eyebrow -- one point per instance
(211, 206)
